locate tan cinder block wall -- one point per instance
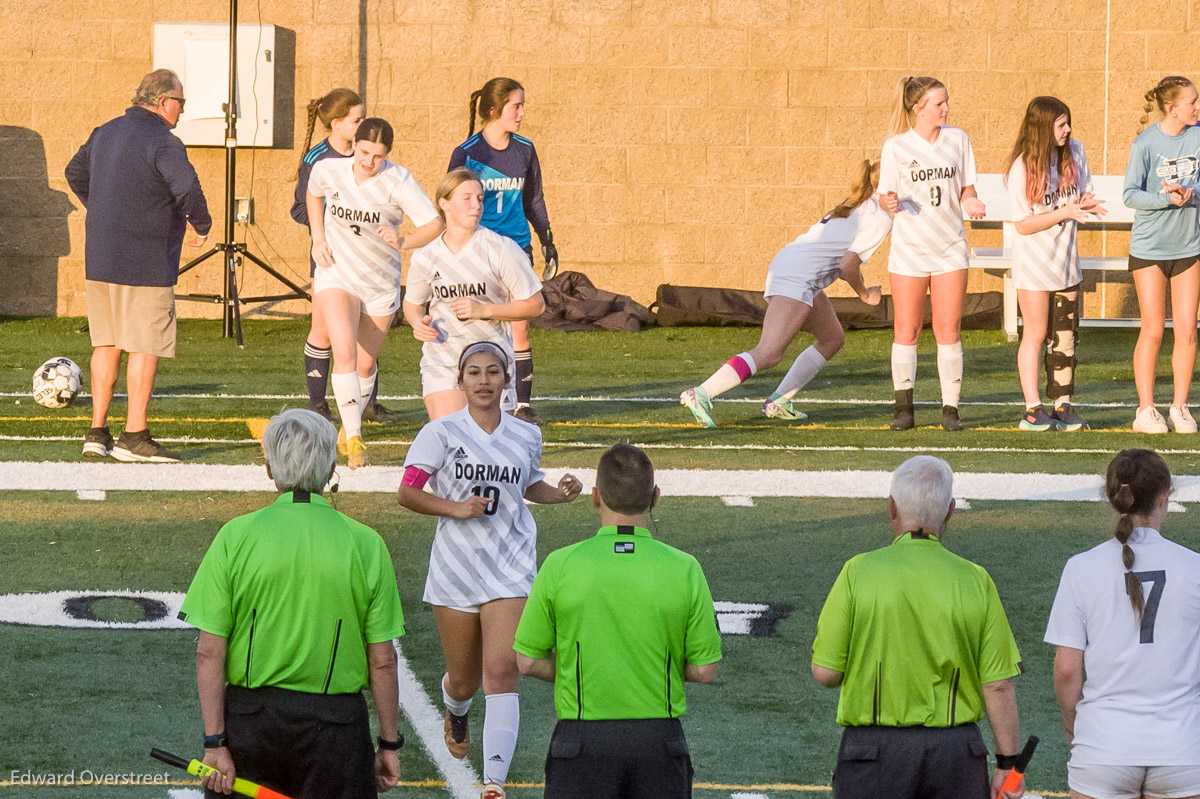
(681, 142)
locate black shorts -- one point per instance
(929, 762)
(1170, 267)
(632, 759)
(301, 744)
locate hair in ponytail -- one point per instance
(908, 95)
(1165, 91)
(1036, 148)
(1135, 480)
(862, 186)
(488, 102)
(334, 105)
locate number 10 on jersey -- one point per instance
(491, 494)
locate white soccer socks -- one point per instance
(501, 719)
(455, 706)
(802, 371)
(349, 400)
(366, 387)
(733, 372)
(950, 372)
(904, 366)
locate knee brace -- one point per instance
(1060, 346)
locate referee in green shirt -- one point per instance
(618, 623)
(297, 607)
(919, 643)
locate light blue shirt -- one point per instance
(1162, 231)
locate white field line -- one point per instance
(461, 779)
(47, 476)
(686, 447)
(674, 400)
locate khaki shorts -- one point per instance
(132, 318)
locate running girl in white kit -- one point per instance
(1128, 611)
(357, 251)
(797, 278)
(1050, 193)
(469, 284)
(482, 465)
(927, 179)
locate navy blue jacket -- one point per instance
(134, 178)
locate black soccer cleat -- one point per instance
(526, 414)
(950, 420)
(98, 443)
(322, 408)
(377, 413)
(139, 447)
(904, 418)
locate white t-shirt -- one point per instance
(928, 233)
(1049, 259)
(474, 561)
(811, 262)
(354, 211)
(1141, 699)
(490, 269)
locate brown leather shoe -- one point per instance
(458, 735)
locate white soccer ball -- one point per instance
(56, 383)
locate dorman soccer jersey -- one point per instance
(512, 185)
(474, 561)
(927, 234)
(490, 269)
(355, 211)
(1047, 260)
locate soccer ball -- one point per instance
(56, 382)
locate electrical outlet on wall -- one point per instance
(244, 210)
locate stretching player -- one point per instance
(834, 247)
(927, 179)
(1164, 247)
(469, 284)
(1050, 192)
(508, 167)
(357, 249)
(482, 465)
(1130, 610)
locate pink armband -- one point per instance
(415, 477)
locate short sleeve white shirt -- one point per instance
(928, 233)
(1141, 698)
(474, 561)
(1049, 259)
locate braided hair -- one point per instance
(334, 105)
(1135, 480)
(1165, 91)
(909, 93)
(487, 103)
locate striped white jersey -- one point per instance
(354, 211)
(816, 254)
(495, 556)
(490, 269)
(928, 233)
(1049, 259)
(1141, 698)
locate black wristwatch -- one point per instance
(1007, 761)
(217, 741)
(390, 746)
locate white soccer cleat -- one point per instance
(1181, 419)
(1149, 420)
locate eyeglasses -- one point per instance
(182, 102)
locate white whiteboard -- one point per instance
(199, 53)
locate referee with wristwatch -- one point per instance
(297, 608)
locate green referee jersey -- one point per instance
(916, 630)
(625, 613)
(298, 589)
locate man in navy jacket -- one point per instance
(141, 193)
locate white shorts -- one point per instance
(1051, 279)
(381, 303)
(445, 378)
(1131, 782)
(928, 264)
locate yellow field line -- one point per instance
(700, 786)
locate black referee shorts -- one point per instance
(306, 746)
(912, 763)
(623, 759)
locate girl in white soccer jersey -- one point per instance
(469, 284)
(482, 465)
(357, 251)
(1128, 611)
(796, 281)
(927, 179)
(1050, 192)
(1164, 247)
